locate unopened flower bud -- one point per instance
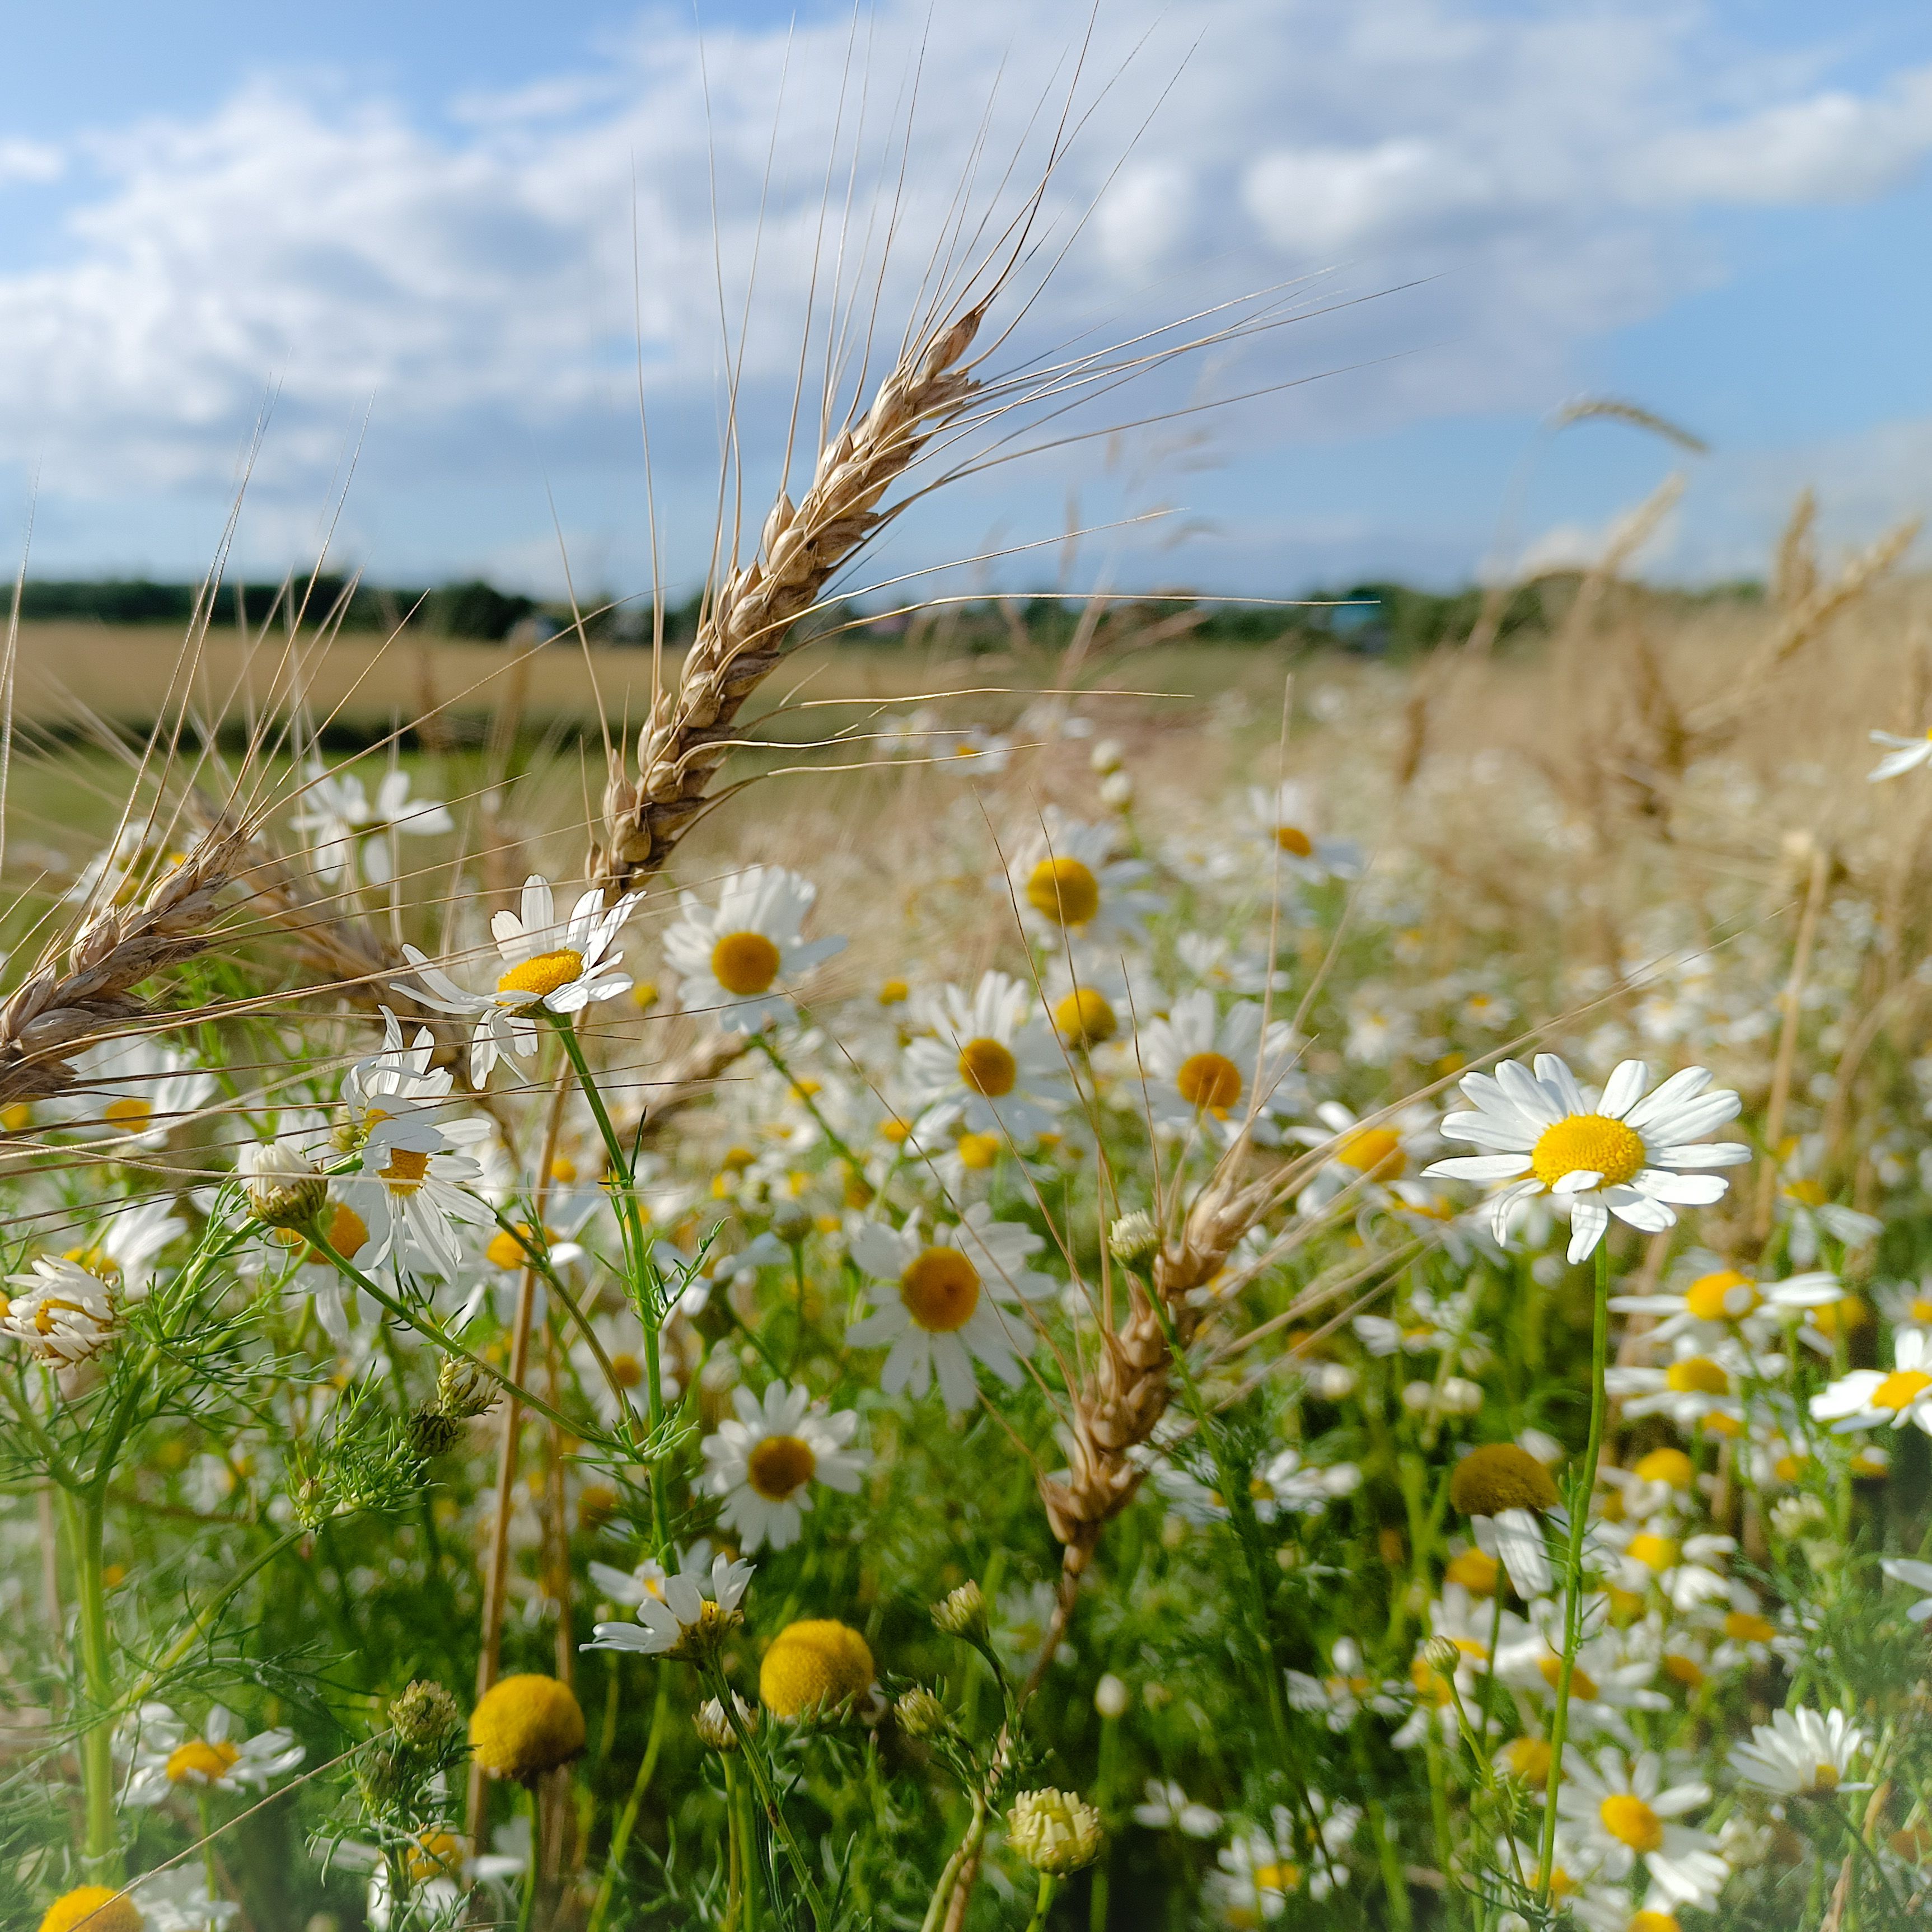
(462, 1390)
(285, 1189)
(1111, 1696)
(1442, 1655)
(1116, 791)
(425, 1716)
(1133, 1238)
(919, 1713)
(714, 1728)
(1054, 1832)
(792, 1221)
(1106, 756)
(962, 1612)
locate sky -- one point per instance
(411, 282)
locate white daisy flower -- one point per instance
(765, 1463)
(1623, 1155)
(1069, 886)
(437, 1867)
(180, 1901)
(734, 961)
(165, 1756)
(1199, 1068)
(950, 1302)
(694, 1599)
(350, 832)
(1622, 1811)
(622, 1336)
(123, 1252)
(559, 966)
(988, 1064)
(413, 1188)
(1800, 1753)
(1870, 1399)
(1375, 1161)
(1284, 817)
(133, 1089)
(66, 1315)
(1914, 1575)
(399, 1079)
(1906, 754)
(1168, 1808)
(1718, 1298)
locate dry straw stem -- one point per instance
(743, 635)
(65, 1004)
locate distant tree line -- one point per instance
(1380, 618)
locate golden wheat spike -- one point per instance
(1612, 409)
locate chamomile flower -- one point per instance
(1200, 1069)
(1915, 1576)
(166, 1756)
(948, 1300)
(1715, 1298)
(133, 1089)
(1168, 1808)
(1871, 1399)
(987, 1064)
(1625, 1153)
(622, 1339)
(697, 1607)
(764, 1463)
(1904, 754)
(1622, 1810)
(1070, 888)
(401, 1078)
(1800, 1753)
(349, 833)
(1375, 1161)
(413, 1190)
(64, 1314)
(1283, 818)
(737, 961)
(560, 966)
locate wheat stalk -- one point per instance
(754, 609)
(92, 991)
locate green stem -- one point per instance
(810, 1106)
(86, 1530)
(734, 1899)
(949, 1877)
(768, 1797)
(1049, 1885)
(526, 1917)
(1581, 1492)
(627, 1821)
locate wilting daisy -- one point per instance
(763, 1464)
(694, 1601)
(133, 1089)
(1871, 1399)
(735, 961)
(1624, 1156)
(989, 1065)
(1800, 1753)
(349, 831)
(63, 1312)
(1069, 886)
(1905, 754)
(558, 965)
(1622, 1811)
(1199, 1068)
(949, 1301)
(166, 1756)
(413, 1189)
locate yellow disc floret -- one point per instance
(977, 1152)
(197, 1761)
(97, 1908)
(1475, 1570)
(525, 1725)
(1696, 1375)
(1666, 1465)
(778, 1466)
(1725, 1296)
(1631, 1821)
(745, 963)
(1292, 839)
(543, 975)
(941, 1290)
(406, 1171)
(1085, 1018)
(1210, 1080)
(1900, 1389)
(1373, 1150)
(988, 1067)
(1588, 1144)
(1064, 890)
(1498, 1477)
(813, 1665)
(128, 1111)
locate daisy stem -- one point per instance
(735, 1849)
(627, 1821)
(1049, 1885)
(1581, 1490)
(760, 1776)
(810, 1105)
(646, 1295)
(85, 1526)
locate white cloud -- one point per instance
(1536, 169)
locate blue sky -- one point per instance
(410, 230)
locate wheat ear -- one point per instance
(90, 990)
(744, 633)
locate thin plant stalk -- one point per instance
(86, 1527)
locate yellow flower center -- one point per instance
(199, 1763)
(1085, 1018)
(778, 1466)
(745, 963)
(17, 1118)
(1631, 1821)
(1588, 1144)
(1746, 1626)
(1654, 1553)
(1653, 1921)
(406, 1170)
(1685, 1670)
(1064, 890)
(128, 1112)
(1696, 1375)
(1824, 1778)
(1807, 1193)
(1292, 838)
(1528, 1759)
(626, 1371)
(1475, 1570)
(1582, 1683)
(893, 992)
(1900, 1389)
(1211, 1081)
(348, 1233)
(941, 1290)
(978, 1151)
(1722, 1296)
(813, 1666)
(505, 1250)
(988, 1067)
(97, 1908)
(50, 1308)
(1278, 1877)
(543, 975)
(434, 1855)
(1374, 1151)
(1844, 1315)
(525, 1725)
(1666, 1465)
